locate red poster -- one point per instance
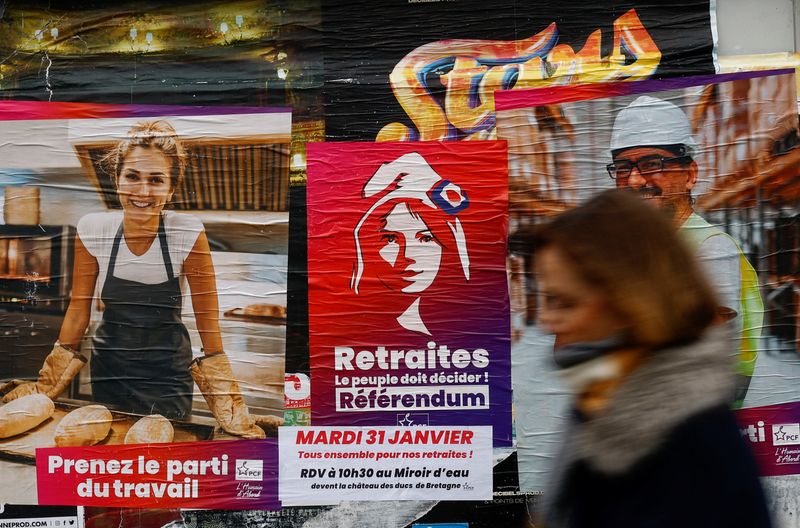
(408, 297)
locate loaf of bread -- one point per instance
(265, 310)
(83, 426)
(24, 413)
(153, 429)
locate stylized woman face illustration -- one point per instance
(409, 246)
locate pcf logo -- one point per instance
(249, 469)
(786, 434)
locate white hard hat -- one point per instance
(649, 121)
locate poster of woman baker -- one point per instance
(408, 302)
(148, 251)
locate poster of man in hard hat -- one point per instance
(719, 155)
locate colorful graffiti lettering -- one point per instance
(471, 70)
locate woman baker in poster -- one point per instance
(138, 258)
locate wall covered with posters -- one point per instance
(283, 227)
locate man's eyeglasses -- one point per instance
(648, 165)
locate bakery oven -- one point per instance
(36, 266)
(35, 285)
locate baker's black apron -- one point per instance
(141, 356)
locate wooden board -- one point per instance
(22, 447)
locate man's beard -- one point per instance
(669, 209)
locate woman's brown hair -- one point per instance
(630, 251)
(159, 135)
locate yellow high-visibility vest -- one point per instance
(751, 309)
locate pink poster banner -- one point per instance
(408, 294)
(232, 475)
(773, 432)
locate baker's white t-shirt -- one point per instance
(97, 232)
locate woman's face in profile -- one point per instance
(572, 309)
(144, 185)
(411, 250)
